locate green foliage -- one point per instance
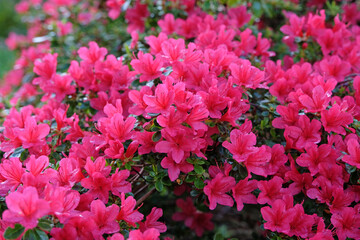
(14, 233)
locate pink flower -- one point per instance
(295, 27)
(33, 135)
(347, 223)
(155, 42)
(198, 221)
(45, 68)
(150, 234)
(304, 132)
(92, 54)
(115, 8)
(242, 193)
(178, 145)
(147, 66)
(104, 217)
(64, 28)
(301, 182)
(37, 165)
(197, 117)
(167, 24)
(62, 200)
(317, 102)
(257, 161)
(173, 49)
(98, 185)
(116, 149)
(241, 146)
(271, 190)
(62, 86)
(151, 221)
(246, 75)
(315, 155)
(289, 116)
(335, 67)
(239, 16)
(136, 17)
(353, 148)
(278, 159)
(175, 168)
(12, 171)
(25, 208)
(171, 120)
(119, 183)
(277, 217)
(335, 119)
(161, 102)
(281, 89)
(301, 224)
(214, 101)
(137, 98)
(216, 191)
(117, 128)
(127, 211)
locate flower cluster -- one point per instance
(119, 108)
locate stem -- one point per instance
(143, 198)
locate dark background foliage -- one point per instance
(9, 22)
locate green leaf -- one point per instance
(199, 183)
(155, 128)
(45, 224)
(159, 186)
(17, 153)
(198, 169)
(257, 9)
(24, 155)
(350, 169)
(41, 235)
(128, 166)
(35, 234)
(13, 233)
(218, 236)
(156, 136)
(30, 235)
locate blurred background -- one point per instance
(9, 22)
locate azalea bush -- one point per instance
(182, 119)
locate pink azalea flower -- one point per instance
(242, 193)
(335, 67)
(115, 8)
(246, 75)
(197, 221)
(216, 191)
(271, 190)
(150, 234)
(347, 223)
(147, 66)
(12, 171)
(128, 213)
(241, 146)
(167, 24)
(104, 217)
(277, 217)
(25, 208)
(151, 221)
(119, 183)
(161, 102)
(353, 158)
(175, 168)
(45, 68)
(178, 145)
(93, 53)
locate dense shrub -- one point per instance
(182, 119)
